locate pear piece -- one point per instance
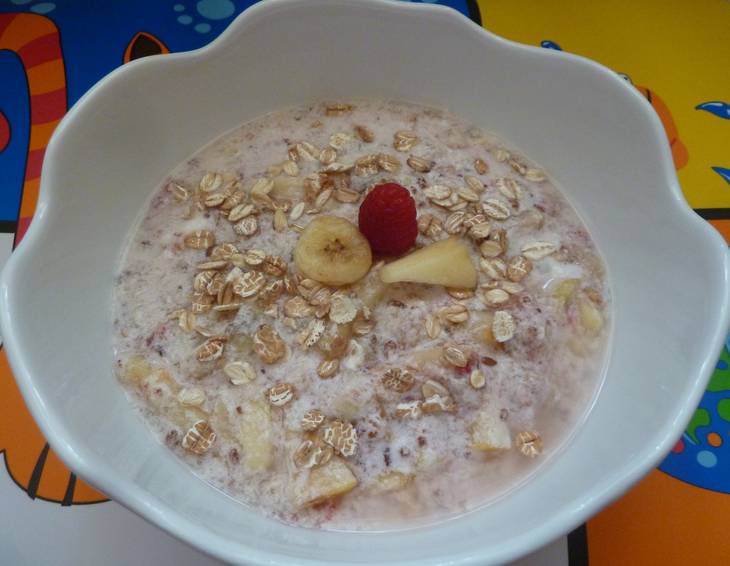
(330, 480)
(391, 481)
(489, 433)
(445, 263)
(256, 434)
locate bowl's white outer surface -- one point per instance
(594, 133)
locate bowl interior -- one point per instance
(588, 128)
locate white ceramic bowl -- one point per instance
(594, 133)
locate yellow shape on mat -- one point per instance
(678, 50)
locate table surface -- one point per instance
(675, 53)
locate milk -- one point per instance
(536, 381)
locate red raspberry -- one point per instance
(388, 219)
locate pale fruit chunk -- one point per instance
(445, 263)
(590, 316)
(354, 402)
(160, 391)
(332, 250)
(489, 433)
(336, 341)
(255, 435)
(579, 345)
(288, 188)
(421, 358)
(222, 422)
(428, 457)
(371, 289)
(391, 481)
(564, 290)
(327, 481)
(135, 369)
(481, 328)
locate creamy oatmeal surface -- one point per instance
(367, 405)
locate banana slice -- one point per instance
(332, 250)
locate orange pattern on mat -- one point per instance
(35, 39)
(671, 526)
(29, 461)
(23, 445)
(722, 226)
(679, 150)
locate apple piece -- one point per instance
(255, 434)
(222, 422)
(421, 358)
(371, 289)
(563, 290)
(330, 480)
(160, 390)
(135, 370)
(353, 402)
(489, 433)
(391, 481)
(481, 328)
(336, 341)
(287, 188)
(445, 263)
(590, 316)
(427, 459)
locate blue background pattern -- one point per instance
(94, 36)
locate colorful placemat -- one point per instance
(675, 53)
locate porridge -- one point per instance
(361, 316)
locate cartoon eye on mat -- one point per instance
(144, 44)
(28, 458)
